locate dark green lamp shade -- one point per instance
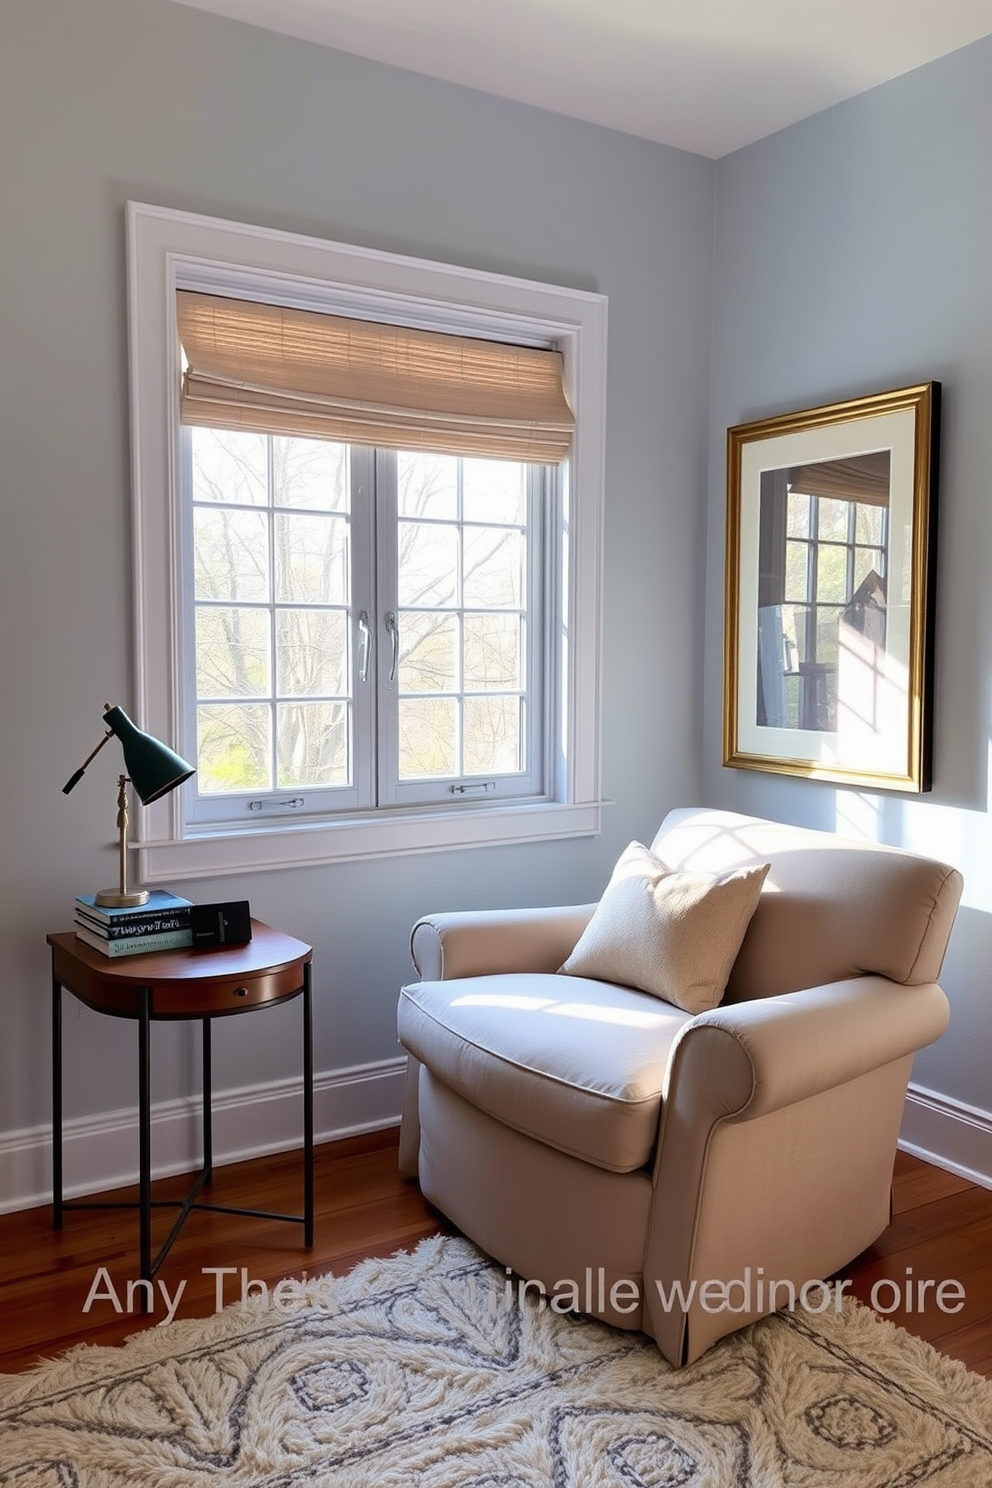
(152, 767)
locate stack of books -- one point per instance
(163, 924)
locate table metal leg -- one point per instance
(307, 1107)
(144, 1141)
(208, 1118)
(56, 1104)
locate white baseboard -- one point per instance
(101, 1152)
(949, 1133)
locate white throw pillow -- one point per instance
(675, 935)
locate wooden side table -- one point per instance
(165, 986)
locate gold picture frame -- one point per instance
(830, 572)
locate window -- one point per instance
(366, 627)
(366, 649)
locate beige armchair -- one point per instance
(657, 1169)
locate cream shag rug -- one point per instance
(418, 1373)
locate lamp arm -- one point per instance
(77, 777)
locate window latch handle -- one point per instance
(393, 629)
(365, 652)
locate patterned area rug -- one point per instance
(418, 1371)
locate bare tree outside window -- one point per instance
(274, 614)
(462, 592)
(271, 552)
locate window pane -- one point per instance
(493, 735)
(493, 566)
(311, 473)
(494, 491)
(827, 630)
(312, 653)
(493, 649)
(232, 652)
(234, 747)
(831, 574)
(427, 737)
(312, 559)
(428, 565)
(797, 514)
(427, 485)
(232, 554)
(869, 524)
(428, 651)
(832, 518)
(797, 572)
(866, 561)
(313, 744)
(229, 467)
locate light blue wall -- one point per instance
(853, 254)
(116, 99)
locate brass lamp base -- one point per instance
(122, 897)
(114, 899)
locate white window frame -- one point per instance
(169, 249)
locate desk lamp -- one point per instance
(153, 769)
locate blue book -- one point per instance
(160, 902)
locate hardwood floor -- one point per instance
(363, 1208)
(941, 1231)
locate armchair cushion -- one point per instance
(576, 1065)
(675, 935)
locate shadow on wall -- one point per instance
(960, 1063)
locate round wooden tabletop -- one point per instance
(184, 983)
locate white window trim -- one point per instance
(166, 248)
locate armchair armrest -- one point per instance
(801, 1043)
(464, 943)
(783, 1105)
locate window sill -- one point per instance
(308, 844)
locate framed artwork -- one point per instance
(831, 527)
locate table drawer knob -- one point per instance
(241, 991)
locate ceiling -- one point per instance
(707, 76)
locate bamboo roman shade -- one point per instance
(863, 478)
(276, 370)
